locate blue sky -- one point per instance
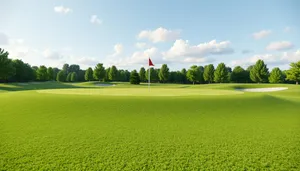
(125, 33)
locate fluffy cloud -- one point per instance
(139, 58)
(271, 59)
(50, 54)
(182, 50)
(283, 45)
(159, 35)
(261, 34)
(95, 20)
(3, 39)
(87, 61)
(62, 9)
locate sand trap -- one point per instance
(105, 85)
(271, 89)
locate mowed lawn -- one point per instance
(168, 129)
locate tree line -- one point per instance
(18, 71)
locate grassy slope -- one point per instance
(48, 131)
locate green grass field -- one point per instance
(53, 126)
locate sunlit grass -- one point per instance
(46, 131)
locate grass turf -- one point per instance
(249, 131)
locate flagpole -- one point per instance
(149, 78)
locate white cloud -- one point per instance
(141, 45)
(182, 50)
(118, 50)
(88, 61)
(261, 34)
(287, 29)
(283, 45)
(271, 59)
(159, 35)
(62, 9)
(50, 54)
(3, 39)
(95, 20)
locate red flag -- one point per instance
(150, 62)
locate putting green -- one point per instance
(142, 92)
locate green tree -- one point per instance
(183, 78)
(88, 74)
(73, 77)
(106, 78)
(142, 74)
(68, 79)
(163, 73)
(6, 66)
(113, 73)
(293, 74)
(61, 77)
(66, 69)
(221, 73)
(153, 75)
(74, 68)
(134, 77)
(127, 75)
(99, 72)
(50, 74)
(192, 74)
(276, 76)
(55, 72)
(208, 74)
(41, 73)
(239, 75)
(259, 72)
(200, 71)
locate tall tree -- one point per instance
(41, 73)
(192, 74)
(208, 74)
(239, 75)
(61, 77)
(66, 69)
(113, 73)
(6, 66)
(20, 71)
(163, 73)
(74, 68)
(50, 74)
(183, 78)
(88, 74)
(276, 76)
(106, 78)
(142, 74)
(293, 74)
(68, 79)
(80, 75)
(259, 73)
(99, 72)
(73, 77)
(134, 77)
(200, 71)
(153, 75)
(221, 74)
(55, 72)
(127, 75)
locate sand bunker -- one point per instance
(105, 85)
(271, 89)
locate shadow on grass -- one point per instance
(39, 86)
